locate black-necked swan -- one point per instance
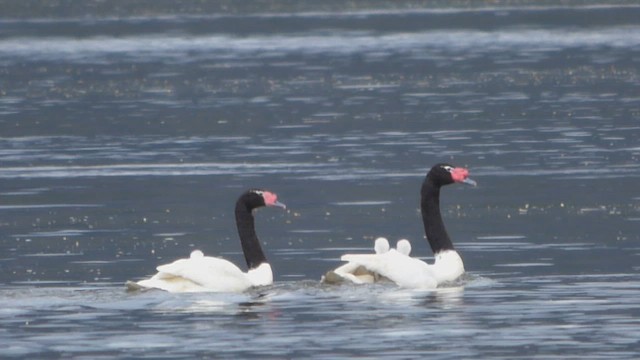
(205, 273)
(410, 272)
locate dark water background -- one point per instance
(128, 131)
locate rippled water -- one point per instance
(542, 317)
(125, 141)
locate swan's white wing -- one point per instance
(356, 273)
(167, 282)
(401, 269)
(210, 273)
(348, 272)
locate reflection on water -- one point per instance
(126, 140)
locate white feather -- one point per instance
(381, 245)
(356, 273)
(410, 272)
(403, 246)
(205, 273)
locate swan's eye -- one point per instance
(258, 192)
(448, 168)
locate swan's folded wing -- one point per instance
(214, 274)
(348, 272)
(167, 282)
(403, 270)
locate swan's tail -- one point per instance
(131, 286)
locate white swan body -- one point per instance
(396, 264)
(408, 272)
(201, 273)
(205, 273)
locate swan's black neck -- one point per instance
(433, 225)
(251, 248)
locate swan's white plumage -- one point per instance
(401, 269)
(350, 272)
(205, 273)
(448, 265)
(354, 272)
(396, 264)
(201, 273)
(410, 272)
(381, 245)
(404, 247)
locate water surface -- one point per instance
(126, 139)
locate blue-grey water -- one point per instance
(126, 134)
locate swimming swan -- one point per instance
(396, 264)
(205, 273)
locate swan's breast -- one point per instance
(448, 266)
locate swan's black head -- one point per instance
(256, 198)
(445, 174)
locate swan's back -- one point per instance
(401, 269)
(199, 273)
